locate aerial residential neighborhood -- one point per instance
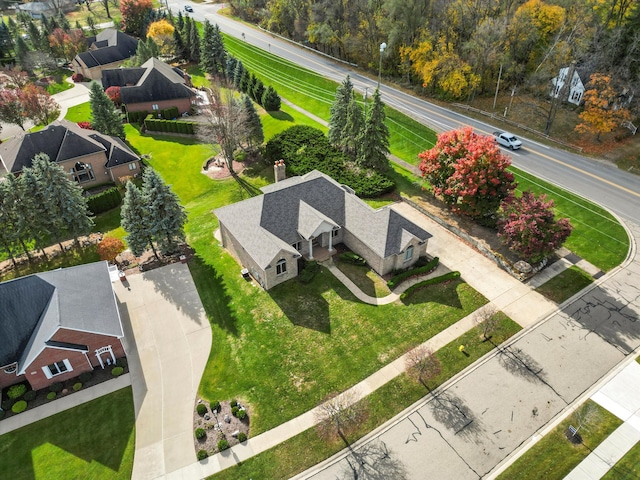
(234, 246)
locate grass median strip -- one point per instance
(307, 449)
(565, 285)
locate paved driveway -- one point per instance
(169, 340)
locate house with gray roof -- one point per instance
(268, 234)
(109, 49)
(153, 86)
(90, 157)
(56, 325)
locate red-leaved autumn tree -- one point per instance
(38, 104)
(110, 247)
(67, 45)
(114, 95)
(529, 227)
(134, 13)
(469, 172)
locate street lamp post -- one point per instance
(383, 45)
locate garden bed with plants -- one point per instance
(26, 399)
(218, 426)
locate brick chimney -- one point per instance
(279, 170)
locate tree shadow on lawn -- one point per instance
(212, 290)
(303, 305)
(445, 293)
(282, 116)
(96, 431)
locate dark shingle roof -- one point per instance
(266, 224)
(154, 81)
(32, 309)
(63, 140)
(109, 46)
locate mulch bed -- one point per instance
(227, 426)
(99, 375)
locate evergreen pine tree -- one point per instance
(194, 54)
(186, 36)
(91, 23)
(35, 36)
(339, 110)
(46, 28)
(245, 80)
(78, 26)
(60, 200)
(271, 100)
(105, 118)
(146, 50)
(21, 50)
(255, 134)
(64, 22)
(20, 211)
(213, 55)
(374, 139)
(231, 68)
(353, 129)
(258, 91)
(12, 26)
(166, 216)
(178, 43)
(135, 221)
(38, 224)
(180, 21)
(251, 85)
(238, 74)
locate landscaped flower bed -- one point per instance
(218, 426)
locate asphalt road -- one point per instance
(617, 190)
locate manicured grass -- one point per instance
(79, 113)
(366, 279)
(307, 449)
(554, 456)
(276, 122)
(597, 236)
(109, 224)
(627, 468)
(67, 259)
(565, 284)
(198, 76)
(97, 11)
(93, 440)
(59, 87)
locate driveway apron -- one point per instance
(167, 355)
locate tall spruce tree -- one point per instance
(21, 211)
(230, 69)
(258, 91)
(254, 132)
(352, 130)
(60, 200)
(374, 138)
(194, 45)
(186, 35)
(213, 55)
(238, 74)
(180, 21)
(339, 111)
(271, 100)
(38, 225)
(166, 216)
(179, 46)
(105, 118)
(135, 221)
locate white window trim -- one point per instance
(49, 374)
(279, 266)
(408, 251)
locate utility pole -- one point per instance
(495, 98)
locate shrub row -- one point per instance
(305, 148)
(170, 126)
(350, 257)
(430, 281)
(104, 201)
(308, 272)
(398, 279)
(137, 117)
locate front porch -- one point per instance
(321, 254)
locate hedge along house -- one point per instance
(89, 157)
(56, 325)
(269, 233)
(109, 49)
(152, 87)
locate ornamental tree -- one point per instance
(162, 33)
(529, 226)
(469, 172)
(134, 13)
(109, 248)
(38, 104)
(11, 108)
(114, 95)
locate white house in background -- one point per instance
(576, 89)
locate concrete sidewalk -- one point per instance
(621, 396)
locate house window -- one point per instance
(132, 166)
(57, 368)
(408, 254)
(334, 233)
(154, 106)
(296, 245)
(82, 172)
(11, 369)
(281, 267)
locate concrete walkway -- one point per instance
(621, 396)
(162, 311)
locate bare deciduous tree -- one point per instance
(422, 364)
(487, 321)
(339, 414)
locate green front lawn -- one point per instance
(627, 468)
(565, 285)
(554, 456)
(365, 278)
(79, 113)
(94, 440)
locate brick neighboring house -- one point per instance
(153, 86)
(56, 325)
(109, 49)
(89, 157)
(269, 233)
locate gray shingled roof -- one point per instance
(63, 140)
(152, 82)
(292, 207)
(32, 309)
(107, 47)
